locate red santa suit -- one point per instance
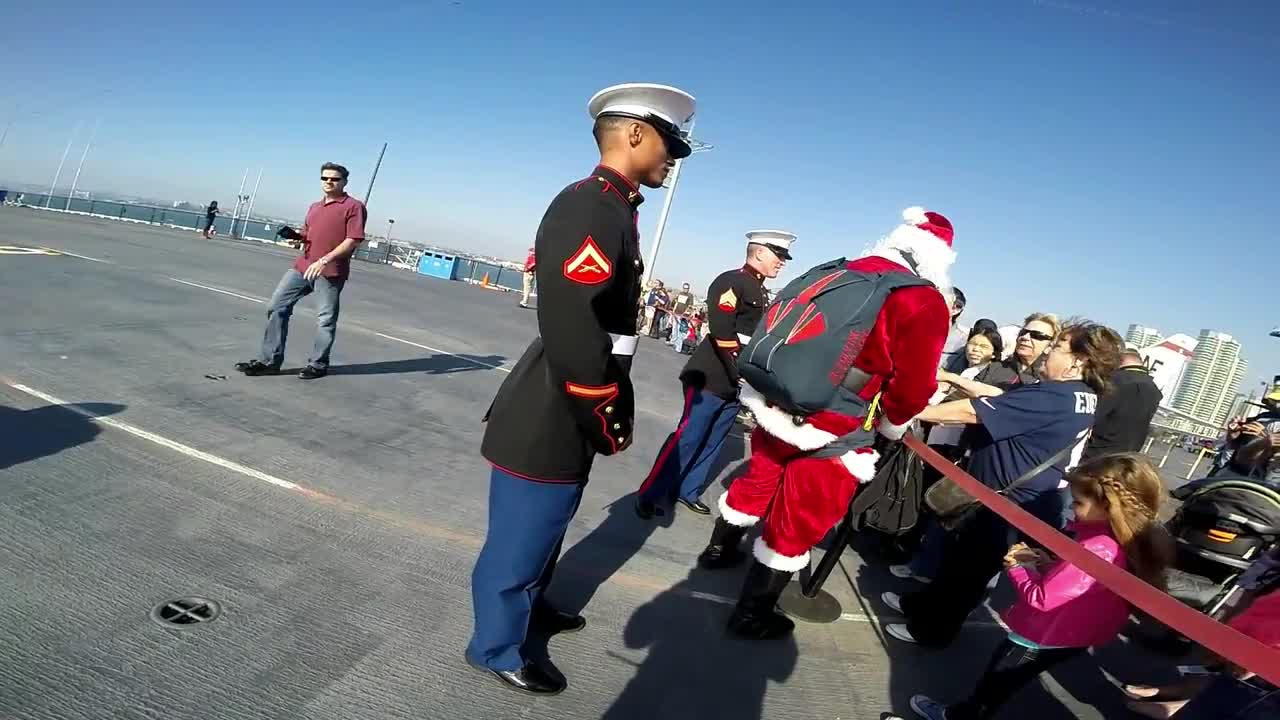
(800, 497)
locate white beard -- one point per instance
(920, 250)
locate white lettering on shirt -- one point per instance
(1086, 403)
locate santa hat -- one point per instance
(925, 236)
(931, 222)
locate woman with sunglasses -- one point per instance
(1020, 368)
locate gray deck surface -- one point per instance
(348, 596)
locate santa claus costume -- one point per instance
(799, 494)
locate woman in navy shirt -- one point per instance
(1017, 430)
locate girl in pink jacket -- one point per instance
(1060, 611)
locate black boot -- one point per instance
(723, 551)
(757, 617)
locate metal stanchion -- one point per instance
(806, 600)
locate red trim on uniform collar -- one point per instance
(753, 273)
(621, 184)
(625, 180)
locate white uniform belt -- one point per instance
(624, 344)
(743, 339)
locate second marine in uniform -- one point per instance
(735, 302)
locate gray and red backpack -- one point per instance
(800, 356)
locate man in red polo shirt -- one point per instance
(333, 228)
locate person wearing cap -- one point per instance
(735, 302)
(569, 398)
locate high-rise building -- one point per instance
(1209, 386)
(1140, 337)
(1244, 405)
(1167, 361)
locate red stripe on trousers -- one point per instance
(671, 442)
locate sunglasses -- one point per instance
(1035, 335)
(332, 179)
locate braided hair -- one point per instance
(1130, 490)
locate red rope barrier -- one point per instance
(1226, 642)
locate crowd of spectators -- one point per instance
(675, 317)
(1052, 415)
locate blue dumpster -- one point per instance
(436, 264)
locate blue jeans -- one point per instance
(527, 523)
(928, 557)
(927, 562)
(292, 288)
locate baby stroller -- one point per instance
(1225, 523)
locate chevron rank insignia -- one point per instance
(728, 302)
(588, 265)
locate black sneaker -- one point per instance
(256, 367)
(311, 372)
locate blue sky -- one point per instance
(1110, 159)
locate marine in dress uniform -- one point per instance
(735, 303)
(569, 398)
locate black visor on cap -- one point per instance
(677, 143)
(778, 250)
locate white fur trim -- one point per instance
(914, 215)
(891, 430)
(735, 517)
(779, 424)
(861, 464)
(933, 259)
(772, 559)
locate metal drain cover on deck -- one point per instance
(186, 612)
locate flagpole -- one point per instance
(76, 180)
(245, 225)
(374, 177)
(235, 212)
(49, 198)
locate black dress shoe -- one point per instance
(312, 372)
(532, 679)
(646, 510)
(695, 505)
(551, 621)
(256, 367)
